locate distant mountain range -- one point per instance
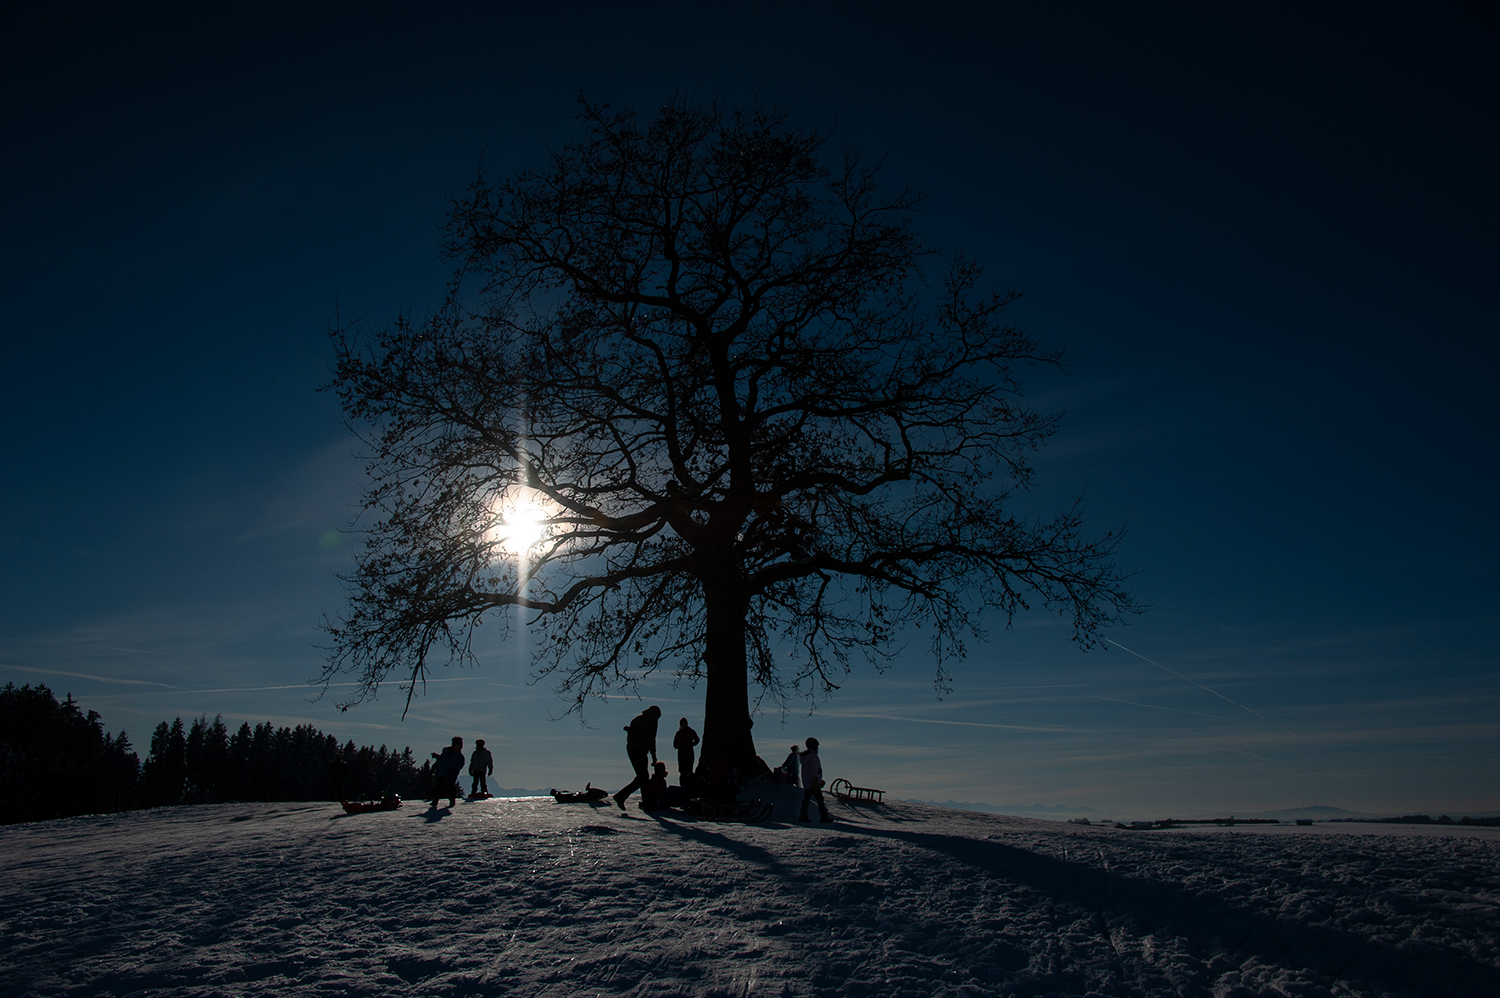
(1316, 812)
(1021, 810)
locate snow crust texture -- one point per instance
(530, 897)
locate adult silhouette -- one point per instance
(683, 742)
(640, 741)
(445, 772)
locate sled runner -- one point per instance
(588, 795)
(846, 791)
(748, 812)
(388, 803)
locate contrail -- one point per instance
(964, 724)
(1185, 679)
(85, 675)
(305, 686)
(259, 689)
(1175, 710)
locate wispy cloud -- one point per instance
(85, 675)
(320, 494)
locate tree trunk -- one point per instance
(726, 703)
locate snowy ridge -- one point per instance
(530, 897)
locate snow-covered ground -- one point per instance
(530, 897)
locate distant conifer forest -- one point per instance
(57, 762)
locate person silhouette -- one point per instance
(480, 763)
(640, 739)
(445, 772)
(791, 766)
(812, 782)
(683, 741)
(658, 795)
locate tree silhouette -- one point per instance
(57, 761)
(164, 773)
(690, 405)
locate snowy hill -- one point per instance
(530, 897)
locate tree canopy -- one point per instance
(692, 404)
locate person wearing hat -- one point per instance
(640, 740)
(481, 763)
(812, 782)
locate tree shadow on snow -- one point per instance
(1209, 924)
(718, 840)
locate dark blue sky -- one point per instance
(1266, 237)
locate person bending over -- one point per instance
(640, 740)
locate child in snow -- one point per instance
(658, 795)
(790, 767)
(445, 772)
(656, 787)
(480, 763)
(812, 782)
(683, 742)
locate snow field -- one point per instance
(529, 897)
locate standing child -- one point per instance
(790, 767)
(683, 742)
(480, 764)
(812, 782)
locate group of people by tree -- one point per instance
(717, 778)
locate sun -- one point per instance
(520, 524)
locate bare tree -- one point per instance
(689, 405)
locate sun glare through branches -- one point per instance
(521, 522)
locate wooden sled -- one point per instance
(848, 792)
(747, 812)
(366, 806)
(588, 795)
